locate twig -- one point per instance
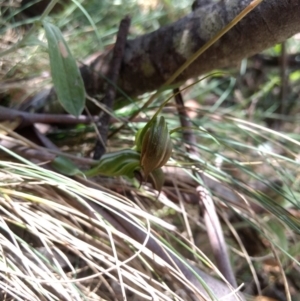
(110, 94)
(31, 118)
(211, 219)
(283, 86)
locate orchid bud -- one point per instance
(156, 146)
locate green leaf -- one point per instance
(66, 77)
(65, 166)
(120, 163)
(158, 178)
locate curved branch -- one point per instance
(151, 59)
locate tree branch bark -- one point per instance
(151, 59)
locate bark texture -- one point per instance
(151, 59)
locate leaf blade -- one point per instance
(66, 76)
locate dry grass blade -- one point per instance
(52, 251)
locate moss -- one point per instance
(210, 25)
(184, 44)
(147, 67)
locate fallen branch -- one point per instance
(151, 59)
